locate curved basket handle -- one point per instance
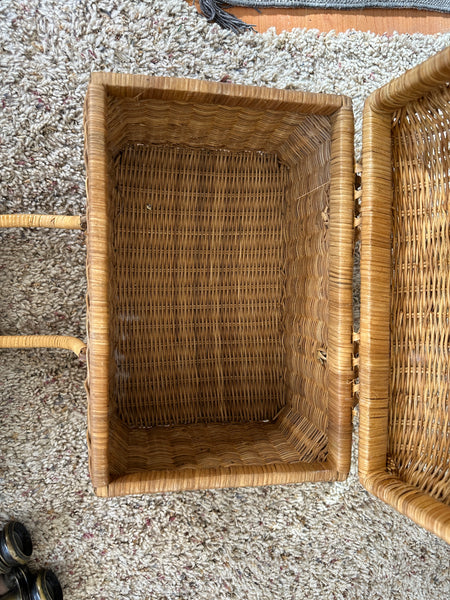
(43, 341)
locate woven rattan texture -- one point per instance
(199, 256)
(203, 446)
(307, 287)
(237, 128)
(305, 419)
(419, 435)
(213, 222)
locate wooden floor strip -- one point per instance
(378, 21)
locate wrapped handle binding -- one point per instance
(43, 341)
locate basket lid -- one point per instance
(404, 453)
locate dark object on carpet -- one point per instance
(213, 9)
(25, 585)
(16, 546)
(17, 582)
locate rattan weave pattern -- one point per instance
(307, 310)
(404, 406)
(214, 300)
(198, 246)
(218, 285)
(419, 440)
(215, 126)
(206, 446)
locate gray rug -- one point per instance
(214, 11)
(438, 5)
(321, 541)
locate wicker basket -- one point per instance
(219, 264)
(220, 235)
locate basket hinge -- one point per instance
(355, 364)
(358, 194)
(357, 232)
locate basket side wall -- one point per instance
(305, 417)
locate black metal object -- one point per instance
(46, 587)
(16, 546)
(17, 581)
(25, 585)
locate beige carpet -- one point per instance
(321, 541)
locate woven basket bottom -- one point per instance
(199, 263)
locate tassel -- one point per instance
(213, 11)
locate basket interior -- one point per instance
(219, 287)
(419, 435)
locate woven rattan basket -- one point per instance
(220, 237)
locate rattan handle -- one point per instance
(43, 341)
(49, 221)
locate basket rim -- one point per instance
(411, 85)
(231, 94)
(236, 476)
